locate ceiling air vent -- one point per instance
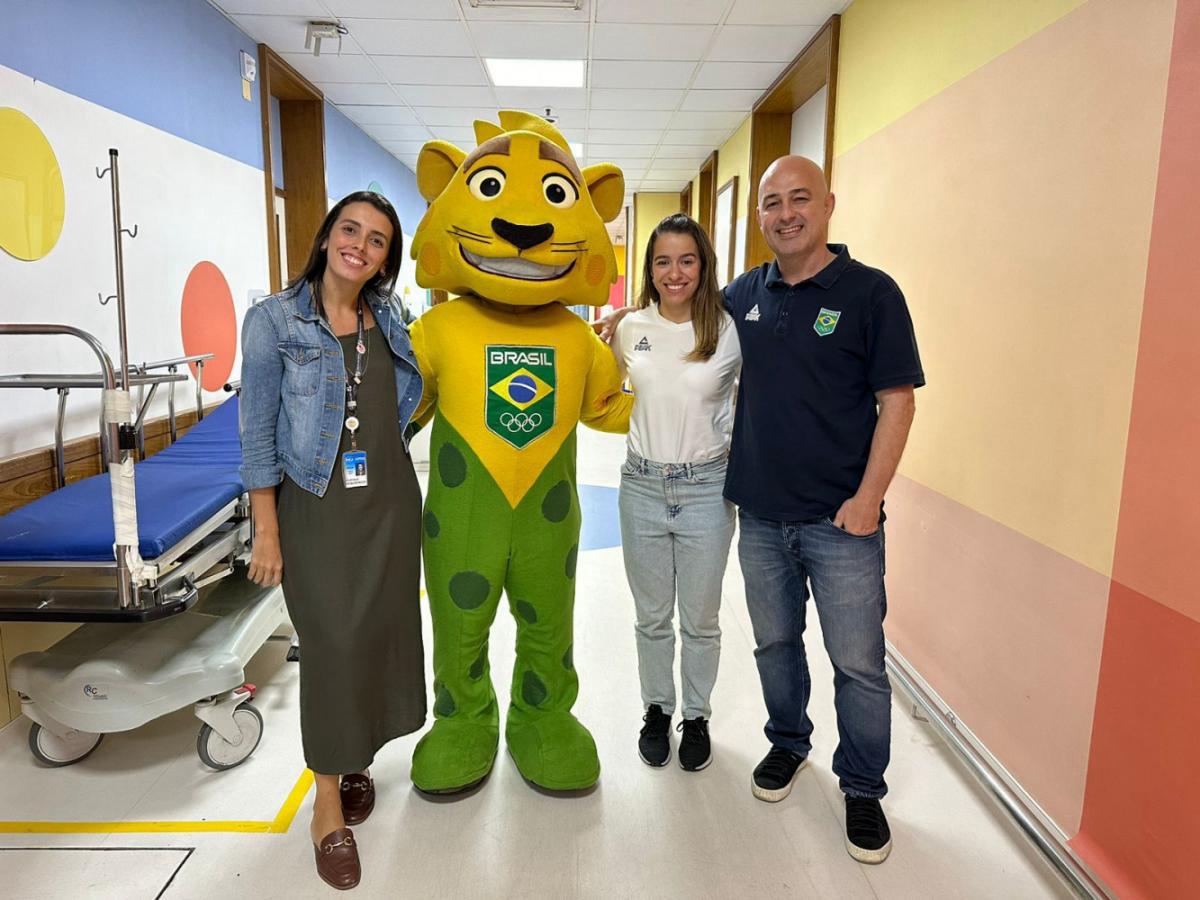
(527, 4)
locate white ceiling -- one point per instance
(667, 81)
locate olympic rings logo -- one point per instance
(520, 421)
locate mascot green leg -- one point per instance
(548, 744)
(474, 543)
(466, 526)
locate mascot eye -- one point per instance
(560, 191)
(486, 184)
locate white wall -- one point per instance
(189, 203)
(808, 128)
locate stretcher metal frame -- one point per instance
(89, 590)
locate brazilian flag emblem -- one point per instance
(521, 392)
(827, 320)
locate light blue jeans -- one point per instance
(676, 528)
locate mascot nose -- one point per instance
(523, 236)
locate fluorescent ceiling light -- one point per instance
(535, 72)
(576, 149)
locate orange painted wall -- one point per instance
(1039, 211)
(1143, 787)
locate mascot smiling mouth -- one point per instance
(515, 267)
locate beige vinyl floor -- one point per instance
(653, 833)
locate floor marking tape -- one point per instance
(287, 812)
(280, 824)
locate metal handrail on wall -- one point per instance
(1066, 864)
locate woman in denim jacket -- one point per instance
(329, 384)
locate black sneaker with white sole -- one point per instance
(868, 838)
(654, 742)
(773, 776)
(695, 749)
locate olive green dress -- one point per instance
(351, 577)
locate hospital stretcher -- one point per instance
(183, 636)
(139, 553)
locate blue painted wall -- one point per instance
(353, 160)
(173, 64)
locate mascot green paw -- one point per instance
(552, 750)
(454, 756)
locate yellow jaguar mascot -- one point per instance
(515, 228)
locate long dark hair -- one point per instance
(708, 306)
(382, 281)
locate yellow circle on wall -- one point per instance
(32, 200)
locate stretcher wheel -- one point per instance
(218, 753)
(53, 750)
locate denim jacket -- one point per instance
(294, 388)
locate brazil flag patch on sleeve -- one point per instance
(521, 392)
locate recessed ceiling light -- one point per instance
(519, 4)
(535, 72)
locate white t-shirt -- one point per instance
(682, 411)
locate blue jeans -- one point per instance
(676, 527)
(780, 561)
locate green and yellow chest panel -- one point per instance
(511, 384)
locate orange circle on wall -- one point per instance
(209, 323)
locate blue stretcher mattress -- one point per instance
(178, 489)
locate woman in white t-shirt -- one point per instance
(681, 355)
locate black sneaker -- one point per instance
(695, 750)
(868, 838)
(654, 743)
(773, 776)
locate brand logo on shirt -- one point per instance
(643, 344)
(520, 397)
(753, 315)
(827, 320)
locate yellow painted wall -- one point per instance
(649, 210)
(1022, 252)
(733, 158)
(895, 55)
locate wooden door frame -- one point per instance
(302, 134)
(706, 205)
(813, 68)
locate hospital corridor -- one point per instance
(599, 449)
(161, 818)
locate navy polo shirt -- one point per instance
(813, 356)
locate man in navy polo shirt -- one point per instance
(823, 412)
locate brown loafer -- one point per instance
(358, 798)
(337, 859)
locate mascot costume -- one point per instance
(516, 229)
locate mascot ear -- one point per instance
(436, 165)
(606, 184)
(485, 131)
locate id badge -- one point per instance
(354, 468)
